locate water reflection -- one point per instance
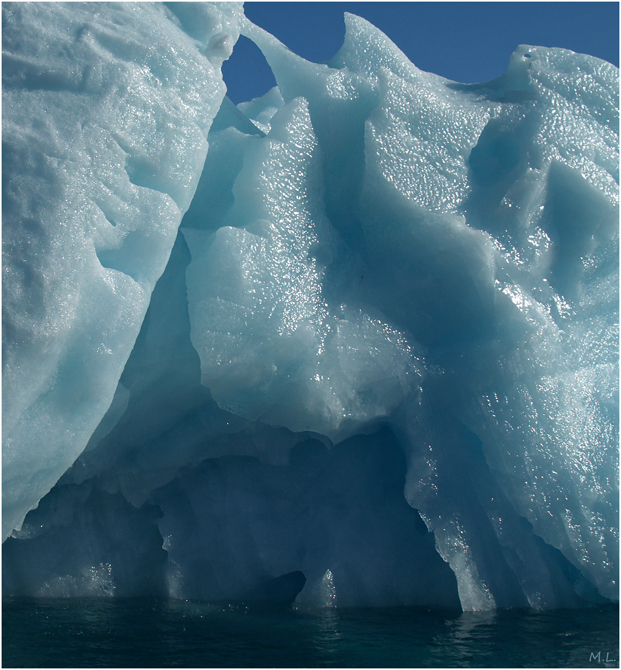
(469, 636)
(327, 634)
(150, 633)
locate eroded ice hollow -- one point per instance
(363, 328)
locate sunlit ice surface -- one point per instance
(363, 328)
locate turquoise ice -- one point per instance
(364, 327)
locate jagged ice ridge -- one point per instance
(364, 327)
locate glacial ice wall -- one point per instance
(384, 347)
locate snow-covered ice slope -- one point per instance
(383, 352)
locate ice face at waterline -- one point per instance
(363, 328)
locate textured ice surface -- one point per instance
(383, 352)
(106, 109)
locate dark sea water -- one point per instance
(153, 633)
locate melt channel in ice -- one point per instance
(384, 347)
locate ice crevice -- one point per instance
(354, 342)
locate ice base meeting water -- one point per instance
(359, 334)
(157, 633)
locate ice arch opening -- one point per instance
(247, 59)
(383, 351)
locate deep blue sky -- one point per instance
(463, 41)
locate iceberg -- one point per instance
(354, 342)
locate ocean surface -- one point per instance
(130, 633)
